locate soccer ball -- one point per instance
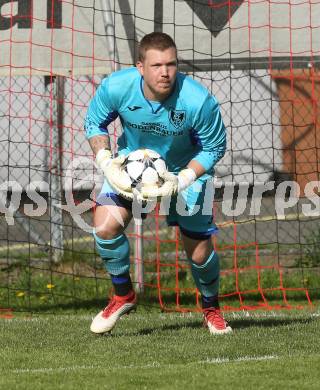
(144, 166)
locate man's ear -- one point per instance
(139, 66)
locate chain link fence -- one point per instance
(270, 106)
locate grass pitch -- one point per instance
(153, 350)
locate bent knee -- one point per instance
(110, 221)
(106, 225)
(198, 250)
(108, 233)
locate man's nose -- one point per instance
(164, 71)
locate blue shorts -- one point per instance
(191, 210)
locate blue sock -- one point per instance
(207, 276)
(114, 253)
(122, 284)
(210, 302)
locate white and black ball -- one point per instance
(144, 166)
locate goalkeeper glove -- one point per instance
(171, 186)
(103, 158)
(116, 176)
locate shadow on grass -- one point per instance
(236, 325)
(268, 322)
(169, 328)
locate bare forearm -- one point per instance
(99, 142)
(198, 168)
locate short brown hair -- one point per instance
(155, 40)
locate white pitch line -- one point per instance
(240, 359)
(221, 360)
(268, 314)
(52, 370)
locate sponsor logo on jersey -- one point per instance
(133, 108)
(177, 117)
(155, 128)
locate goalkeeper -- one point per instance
(167, 111)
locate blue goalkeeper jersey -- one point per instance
(186, 126)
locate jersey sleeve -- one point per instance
(100, 112)
(210, 133)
